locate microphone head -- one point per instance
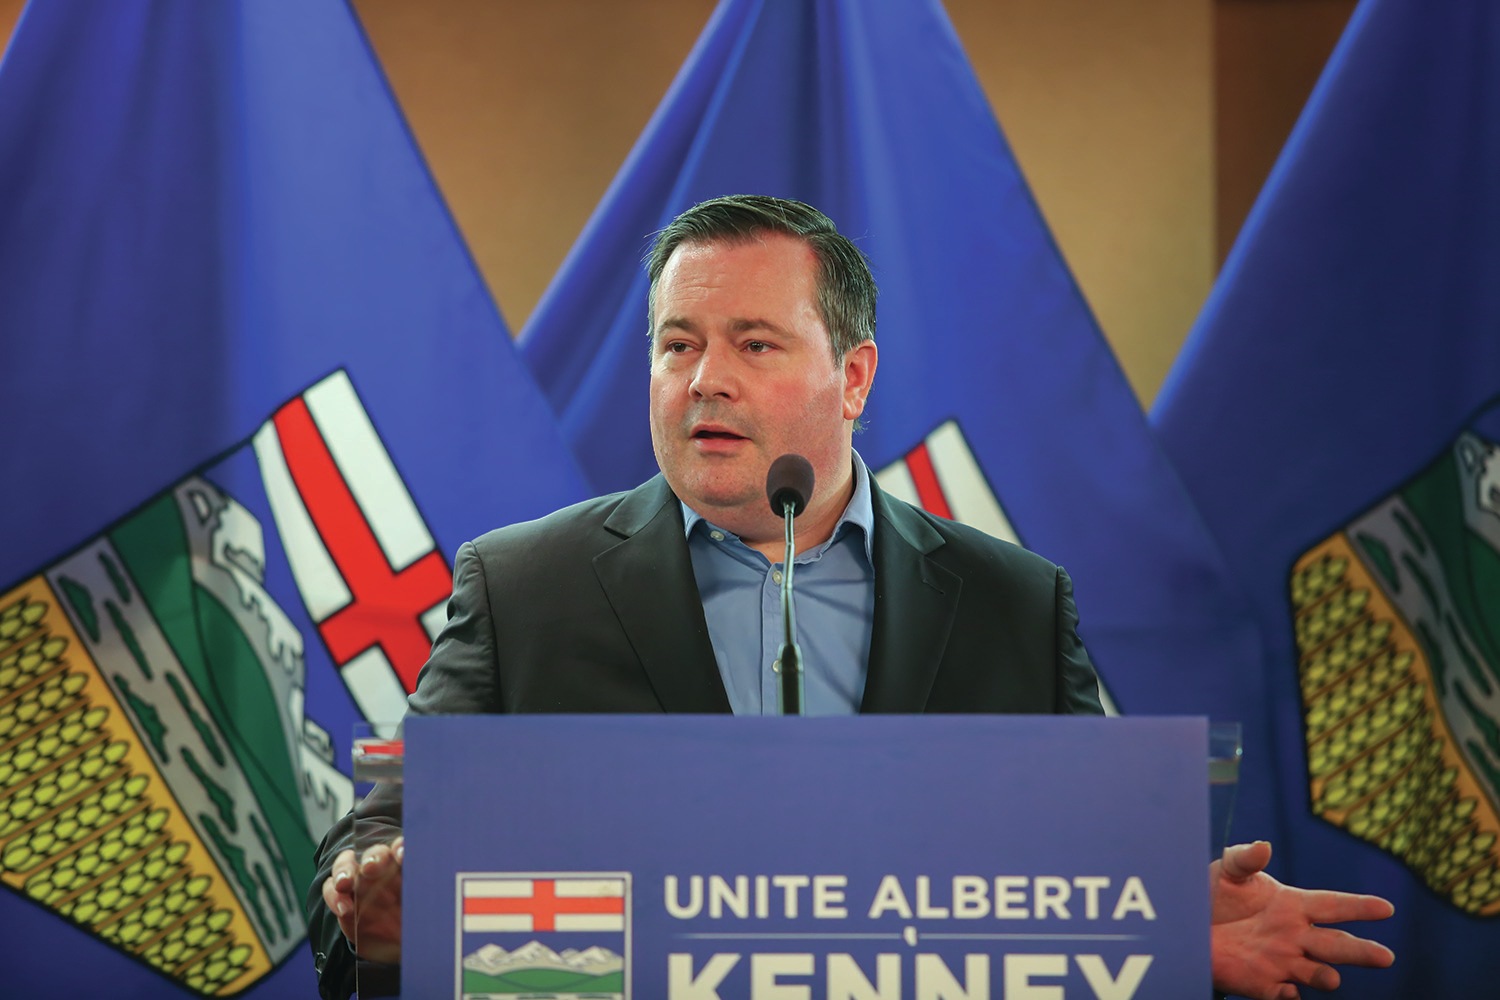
(789, 481)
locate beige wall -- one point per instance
(10, 10)
(1145, 127)
(1269, 55)
(1108, 107)
(526, 110)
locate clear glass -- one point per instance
(1225, 747)
(378, 755)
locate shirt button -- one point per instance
(776, 575)
(775, 666)
(717, 536)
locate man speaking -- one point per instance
(762, 323)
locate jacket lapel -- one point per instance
(648, 579)
(915, 604)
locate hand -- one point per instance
(1265, 934)
(366, 899)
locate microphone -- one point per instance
(790, 481)
(789, 486)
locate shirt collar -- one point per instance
(860, 513)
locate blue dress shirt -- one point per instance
(835, 606)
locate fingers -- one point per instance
(338, 887)
(347, 877)
(1336, 947)
(1241, 861)
(388, 854)
(379, 862)
(333, 898)
(338, 892)
(1327, 907)
(1316, 975)
(342, 871)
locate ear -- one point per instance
(859, 376)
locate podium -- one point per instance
(868, 858)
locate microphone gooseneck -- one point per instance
(789, 486)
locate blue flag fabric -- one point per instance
(257, 395)
(1336, 415)
(997, 401)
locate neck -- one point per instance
(814, 526)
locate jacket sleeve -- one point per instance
(332, 956)
(1077, 683)
(462, 676)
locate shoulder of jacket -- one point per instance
(558, 527)
(968, 547)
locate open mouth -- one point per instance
(711, 433)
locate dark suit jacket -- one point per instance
(597, 610)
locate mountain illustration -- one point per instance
(494, 960)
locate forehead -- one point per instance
(773, 270)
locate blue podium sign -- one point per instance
(871, 858)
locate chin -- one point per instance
(716, 494)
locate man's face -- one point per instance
(742, 372)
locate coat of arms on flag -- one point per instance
(164, 784)
(1397, 619)
(560, 935)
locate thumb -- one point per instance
(1241, 861)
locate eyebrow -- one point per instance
(737, 325)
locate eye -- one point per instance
(674, 347)
(757, 347)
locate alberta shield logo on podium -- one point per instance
(563, 935)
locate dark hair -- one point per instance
(846, 289)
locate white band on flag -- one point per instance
(964, 487)
(375, 687)
(968, 492)
(367, 468)
(434, 618)
(497, 922)
(590, 922)
(590, 887)
(896, 480)
(491, 887)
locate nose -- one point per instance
(714, 376)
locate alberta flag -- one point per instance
(258, 395)
(996, 395)
(1336, 414)
(554, 934)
